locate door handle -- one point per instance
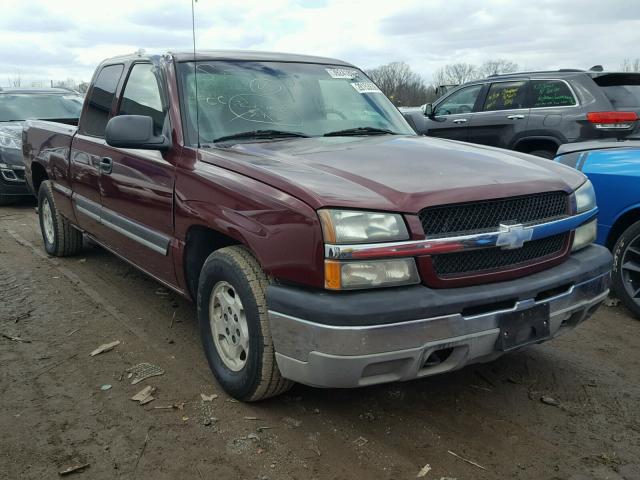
(460, 120)
(106, 165)
(515, 117)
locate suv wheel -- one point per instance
(548, 154)
(234, 325)
(626, 268)
(60, 238)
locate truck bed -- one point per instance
(50, 141)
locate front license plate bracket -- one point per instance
(523, 327)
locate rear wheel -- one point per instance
(626, 268)
(59, 236)
(234, 325)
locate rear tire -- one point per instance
(60, 238)
(625, 274)
(548, 154)
(234, 325)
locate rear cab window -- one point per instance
(622, 89)
(99, 101)
(551, 93)
(506, 96)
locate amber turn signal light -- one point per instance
(332, 275)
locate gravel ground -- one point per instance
(55, 414)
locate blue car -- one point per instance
(614, 171)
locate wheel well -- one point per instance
(201, 242)
(532, 144)
(38, 175)
(624, 222)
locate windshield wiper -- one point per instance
(360, 131)
(259, 134)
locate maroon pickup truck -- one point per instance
(322, 240)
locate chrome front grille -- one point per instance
(491, 259)
(485, 216)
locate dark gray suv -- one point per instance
(535, 112)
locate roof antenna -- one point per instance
(195, 68)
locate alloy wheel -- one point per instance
(630, 268)
(229, 326)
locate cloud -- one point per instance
(45, 43)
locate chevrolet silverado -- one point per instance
(321, 239)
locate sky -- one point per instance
(43, 40)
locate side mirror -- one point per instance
(134, 131)
(427, 109)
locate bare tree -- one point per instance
(69, 83)
(497, 66)
(402, 85)
(455, 74)
(16, 79)
(629, 65)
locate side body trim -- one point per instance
(152, 239)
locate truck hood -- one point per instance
(393, 173)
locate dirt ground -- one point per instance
(55, 414)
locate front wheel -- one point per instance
(626, 268)
(234, 325)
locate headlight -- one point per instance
(585, 197)
(368, 274)
(585, 235)
(10, 139)
(350, 226)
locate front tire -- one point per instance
(626, 268)
(59, 236)
(234, 325)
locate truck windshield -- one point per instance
(305, 99)
(40, 106)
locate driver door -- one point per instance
(452, 116)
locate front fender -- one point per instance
(283, 232)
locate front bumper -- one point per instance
(12, 180)
(364, 338)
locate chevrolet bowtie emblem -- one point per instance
(513, 236)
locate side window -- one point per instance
(95, 118)
(551, 93)
(461, 101)
(506, 96)
(141, 95)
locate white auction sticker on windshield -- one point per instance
(365, 87)
(347, 73)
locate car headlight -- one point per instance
(352, 226)
(10, 139)
(341, 227)
(370, 273)
(585, 197)
(585, 235)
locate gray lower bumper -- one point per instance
(351, 356)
